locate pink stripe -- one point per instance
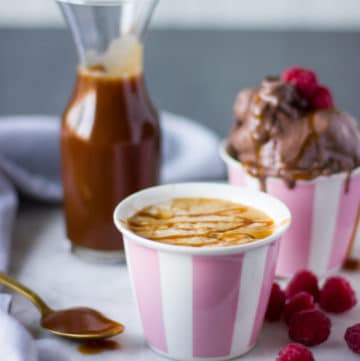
(268, 278)
(146, 276)
(237, 176)
(295, 246)
(216, 283)
(346, 218)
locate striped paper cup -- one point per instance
(324, 217)
(201, 303)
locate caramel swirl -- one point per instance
(277, 134)
(200, 222)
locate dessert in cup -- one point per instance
(290, 140)
(202, 260)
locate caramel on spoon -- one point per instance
(77, 323)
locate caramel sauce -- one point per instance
(311, 141)
(291, 173)
(351, 263)
(278, 133)
(80, 320)
(110, 145)
(348, 181)
(262, 173)
(99, 346)
(199, 222)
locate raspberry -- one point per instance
(309, 327)
(295, 352)
(322, 99)
(276, 303)
(337, 295)
(305, 80)
(352, 338)
(301, 301)
(303, 281)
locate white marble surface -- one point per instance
(41, 259)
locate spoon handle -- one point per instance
(10, 282)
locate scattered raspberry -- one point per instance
(304, 80)
(295, 352)
(352, 338)
(309, 327)
(337, 295)
(322, 99)
(276, 303)
(301, 301)
(303, 281)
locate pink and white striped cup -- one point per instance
(324, 217)
(201, 303)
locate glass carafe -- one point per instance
(110, 136)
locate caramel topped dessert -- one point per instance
(289, 127)
(200, 222)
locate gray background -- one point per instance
(192, 72)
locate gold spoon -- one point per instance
(77, 323)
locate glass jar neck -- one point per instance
(105, 28)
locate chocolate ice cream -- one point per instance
(279, 131)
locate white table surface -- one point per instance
(41, 259)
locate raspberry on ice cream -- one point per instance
(305, 80)
(301, 301)
(295, 352)
(309, 327)
(322, 99)
(276, 303)
(337, 295)
(352, 338)
(303, 281)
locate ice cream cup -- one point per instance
(201, 303)
(325, 215)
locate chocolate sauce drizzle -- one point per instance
(277, 133)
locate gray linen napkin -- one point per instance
(8, 206)
(16, 344)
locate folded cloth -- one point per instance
(8, 206)
(29, 164)
(16, 344)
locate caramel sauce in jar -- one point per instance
(110, 147)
